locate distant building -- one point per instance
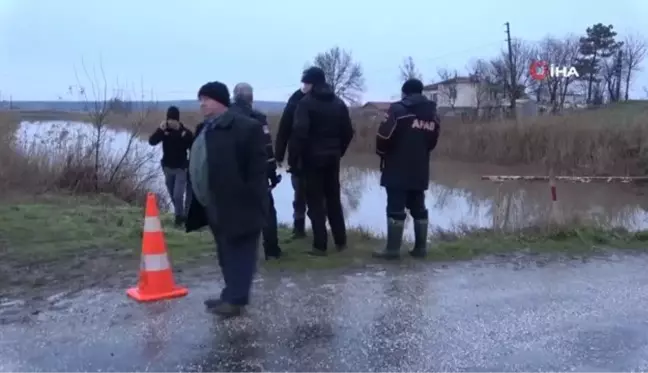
(463, 95)
(379, 106)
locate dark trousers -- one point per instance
(299, 197)
(398, 200)
(270, 235)
(323, 200)
(237, 257)
(188, 195)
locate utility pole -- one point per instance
(513, 86)
(619, 75)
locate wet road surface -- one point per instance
(480, 316)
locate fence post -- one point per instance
(497, 207)
(554, 214)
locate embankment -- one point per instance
(66, 217)
(65, 240)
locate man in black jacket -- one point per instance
(243, 98)
(404, 142)
(228, 170)
(321, 135)
(176, 140)
(283, 136)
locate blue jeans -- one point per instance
(176, 183)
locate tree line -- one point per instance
(607, 65)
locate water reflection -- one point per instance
(456, 195)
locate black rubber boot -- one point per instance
(299, 228)
(420, 239)
(391, 250)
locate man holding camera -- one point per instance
(176, 141)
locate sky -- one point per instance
(166, 49)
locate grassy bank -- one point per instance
(77, 163)
(68, 238)
(607, 141)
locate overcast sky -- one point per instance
(172, 47)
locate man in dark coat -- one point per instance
(322, 132)
(176, 140)
(283, 136)
(404, 142)
(243, 98)
(227, 167)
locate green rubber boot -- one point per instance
(420, 239)
(395, 230)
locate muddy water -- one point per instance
(456, 197)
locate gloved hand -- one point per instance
(274, 180)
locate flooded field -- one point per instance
(456, 196)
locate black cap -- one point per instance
(217, 91)
(173, 113)
(412, 86)
(313, 75)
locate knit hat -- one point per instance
(313, 75)
(217, 91)
(173, 113)
(412, 86)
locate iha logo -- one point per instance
(541, 70)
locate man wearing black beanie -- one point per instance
(322, 132)
(281, 144)
(404, 142)
(227, 169)
(176, 140)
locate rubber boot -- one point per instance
(395, 230)
(420, 239)
(299, 228)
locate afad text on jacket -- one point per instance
(404, 142)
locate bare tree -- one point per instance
(559, 52)
(408, 70)
(612, 74)
(343, 74)
(634, 53)
(485, 91)
(109, 168)
(522, 54)
(448, 86)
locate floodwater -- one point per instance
(456, 196)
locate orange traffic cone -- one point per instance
(156, 278)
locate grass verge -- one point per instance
(57, 235)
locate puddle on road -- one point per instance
(456, 195)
